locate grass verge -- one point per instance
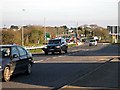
(35, 50)
(40, 50)
(71, 45)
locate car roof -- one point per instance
(57, 38)
(8, 45)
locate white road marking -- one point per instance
(60, 56)
(47, 58)
(38, 61)
(54, 57)
(102, 59)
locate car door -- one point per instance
(15, 59)
(23, 58)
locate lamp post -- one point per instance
(22, 33)
(117, 34)
(77, 30)
(45, 29)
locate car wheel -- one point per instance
(6, 74)
(29, 69)
(53, 52)
(60, 52)
(46, 53)
(65, 51)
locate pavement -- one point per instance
(105, 77)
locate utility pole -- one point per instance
(45, 29)
(22, 32)
(77, 30)
(117, 34)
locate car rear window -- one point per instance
(54, 41)
(92, 40)
(5, 52)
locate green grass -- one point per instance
(40, 50)
(35, 50)
(72, 45)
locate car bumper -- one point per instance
(52, 50)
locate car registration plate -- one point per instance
(51, 49)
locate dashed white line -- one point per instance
(60, 56)
(47, 58)
(102, 59)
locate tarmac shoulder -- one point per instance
(104, 78)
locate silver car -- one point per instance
(92, 42)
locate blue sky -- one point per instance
(59, 12)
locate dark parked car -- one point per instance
(14, 59)
(56, 45)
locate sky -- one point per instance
(58, 12)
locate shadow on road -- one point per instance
(108, 76)
(57, 75)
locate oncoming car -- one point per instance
(92, 42)
(14, 59)
(56, 45)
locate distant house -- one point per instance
(70, 30)
(14, 27)
(114, 31)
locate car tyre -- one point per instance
(46, 53)
(90, 45)
(6, 74)
(29, 69)
(60, 52)
(53, 52)
(66, 51)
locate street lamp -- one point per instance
(22, 33)
(45, 30)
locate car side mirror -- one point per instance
(15, 56)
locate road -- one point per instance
(56, 71)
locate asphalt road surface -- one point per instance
(56, 71)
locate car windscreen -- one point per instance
(92, 40)
(54, 41)
(4, 51)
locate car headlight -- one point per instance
(57, 46)
(45, 47)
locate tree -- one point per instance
(8, 37)
(35, 36)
